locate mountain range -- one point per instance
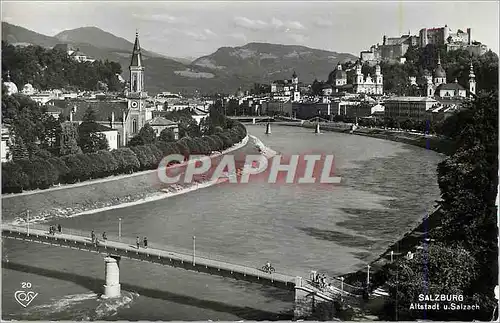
(225, 70)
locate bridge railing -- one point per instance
(337, 283)
(199, 254)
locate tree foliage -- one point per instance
(90, 139)
(465, 259)
(40, 169)
(69, 143)
(48, 69)
(441, 269)
(167, 135)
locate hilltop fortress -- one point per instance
(394, 48)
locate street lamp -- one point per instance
(28, 221)
(368, 277)
(120, 229)
(194, 249)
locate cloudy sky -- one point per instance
(194, 29)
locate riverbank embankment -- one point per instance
(102, 194)
(431, 142)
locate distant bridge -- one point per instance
(252, 119)
(114, 248)
(255, 119)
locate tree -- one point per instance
(19, 150)
(145, 136)
(468, 182)
(52, 68)
(442, 269)
(167, 135)
(14, 180)
(50, 135)
(93, 142)
(69, 137)
(90, 139)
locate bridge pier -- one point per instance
(112, 288)
(317, 130)
(268, 128)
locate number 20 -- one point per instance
(25, 285)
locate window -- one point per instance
(134, 126)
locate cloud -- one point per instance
(321, 22)
(277, 23)
(250, 24)
(296, 25)
(274, 24)
(209, 32)
(200, 36)
(165, 18)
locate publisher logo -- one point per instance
(26, 296)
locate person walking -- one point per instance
(59, 228)
(137, 241)
(92, 236)
(104, 237)
(145, 242)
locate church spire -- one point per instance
(471, 71)
(136, 53)
(136, 68)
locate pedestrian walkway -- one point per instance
(154, 253)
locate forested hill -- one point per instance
(52, 69)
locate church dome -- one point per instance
(11, 87)
(336, 74)
(28, 89)
(439, 71)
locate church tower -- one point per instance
(379, 80)
(136, 96)
(472, 79)
(359, 78)
(296, 92)
(136, 68)
(439, 73)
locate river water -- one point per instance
(386, 188)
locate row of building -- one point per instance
(394, 48)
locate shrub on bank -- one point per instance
(44, 171)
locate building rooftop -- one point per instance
(103, 109)
(450, 86)
(161, 121)
(410, 99)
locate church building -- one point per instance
(287, 90)
(126, 115)
(338, 80)
(136, 94)
(440, 89)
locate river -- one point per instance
(386, 188)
